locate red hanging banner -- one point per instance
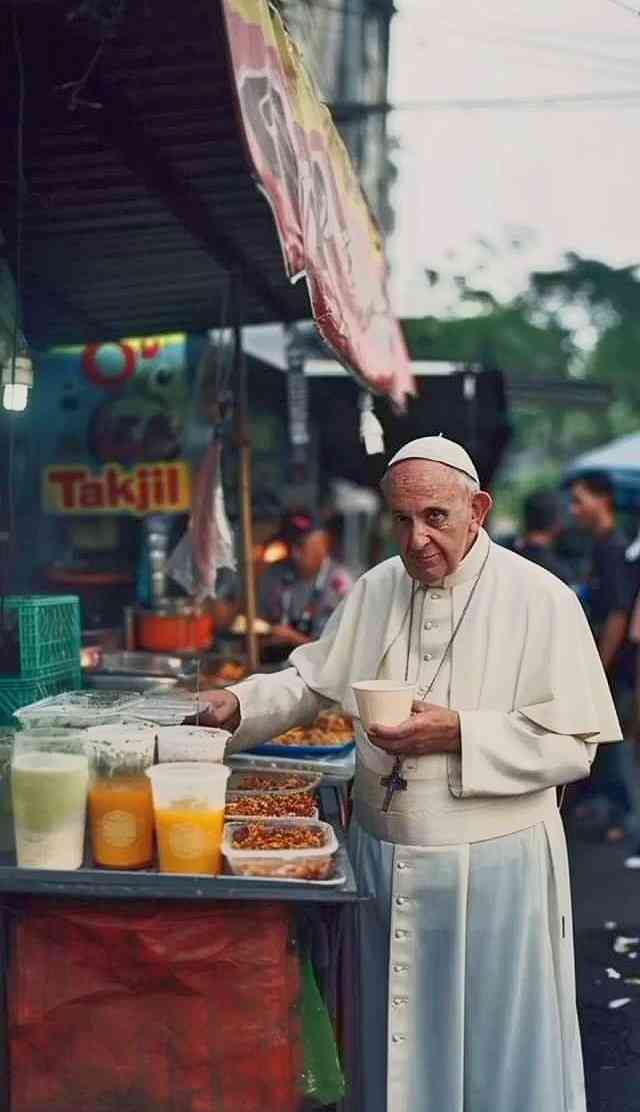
(326, 229)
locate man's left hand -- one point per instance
(430, 729)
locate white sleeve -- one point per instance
(271, 704)
(507, 754)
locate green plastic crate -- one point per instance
(16, 692)
(48, 628)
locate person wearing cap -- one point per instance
(298, 595)
(465, 990)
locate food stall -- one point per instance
(145, 128)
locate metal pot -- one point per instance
(175, 626)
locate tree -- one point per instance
(578, 322)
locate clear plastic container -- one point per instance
(288, 864)
(77, 709)
(191, 743)
(120, 804)
(281, 783)
(49, 785)
(280, 800)
(168, 708)
(188, 803)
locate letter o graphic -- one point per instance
(108, 365)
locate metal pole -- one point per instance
(243, 442)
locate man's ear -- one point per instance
(481, 503)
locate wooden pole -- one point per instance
(244, 450)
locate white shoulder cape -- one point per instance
(524, 645)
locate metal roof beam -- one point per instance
(116, 124)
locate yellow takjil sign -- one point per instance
(151, 488)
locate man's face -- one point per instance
(307, 554)
(436, 517)
(586, 507)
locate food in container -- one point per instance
(49, 783)
(168, 708)
(298, 849)
(120, 803)
(188, 803)
(191, 743)
(328, 729)
(270, 805)
(77, 709)
(256, 781)
(260, 627)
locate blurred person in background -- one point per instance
(542, 519)
(296, 596)
(608, 598)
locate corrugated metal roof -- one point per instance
(136, 210)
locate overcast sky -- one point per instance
(571, 176)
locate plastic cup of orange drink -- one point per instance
(120, 800)
(188, 802)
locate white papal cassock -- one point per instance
(466, 972)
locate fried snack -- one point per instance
(272, 807)
(229, 672)
(329, 728)
(256, 836)
(263, 781)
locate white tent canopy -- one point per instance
(619, 455)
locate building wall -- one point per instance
(346, 47)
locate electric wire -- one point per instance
(20, 197)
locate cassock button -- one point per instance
(428, 656)
(400, 968)
(401, 901)
(397, 1038)
(435, 596)
(401, 934)
(428, 625)
(402, 865)
(399, 1001)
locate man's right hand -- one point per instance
(223, 710)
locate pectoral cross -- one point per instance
(394, 782)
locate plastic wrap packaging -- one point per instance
(172, 1007)
(207, 544)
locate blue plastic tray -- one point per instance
(268, 749)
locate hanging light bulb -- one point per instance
(15, 396)
(17, 379)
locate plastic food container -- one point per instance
(49, 784)
(120, 805)
(167, 708)
(279, 782)
(78, 709)
(272, 805)
(188, 801)
(191, 743)
(289, 864)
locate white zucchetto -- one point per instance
(437, 449)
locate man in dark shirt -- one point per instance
(542, 524)
(609, 597)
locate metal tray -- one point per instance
(147, 664)
(269, 749)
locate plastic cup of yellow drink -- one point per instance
(188, 805)
(120, 807)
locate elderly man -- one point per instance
(466, 988)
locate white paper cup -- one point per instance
(384, 702)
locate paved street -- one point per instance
(607, 920)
